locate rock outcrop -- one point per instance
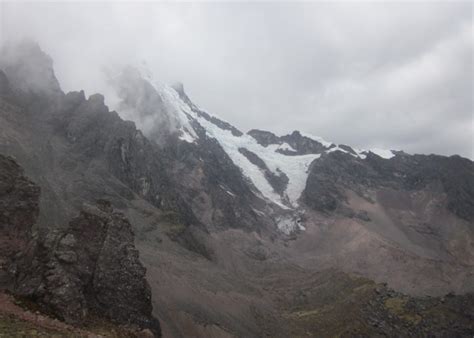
(278, 182)
(300, 144)
(18, 212)
(336, 172)
(263, 137)
(91, 269)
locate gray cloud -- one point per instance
(390, 75)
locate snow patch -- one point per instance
(387, 154)
(285, 146)
(325, 143)
(295, 167)
(261, 213)
(337, 148)
(362, 153)
(174, 106)
(227, 190)
(289, 224)
(186, 136)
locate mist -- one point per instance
(384, 75)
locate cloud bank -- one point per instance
(386, 75)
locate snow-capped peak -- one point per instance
(295, 168)
(277, 166)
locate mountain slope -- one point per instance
(247, 234)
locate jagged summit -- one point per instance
(261, 155)
(275, 167)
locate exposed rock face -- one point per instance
(90, 269)
(278, 182)
(337, 171)
(18, 211)
(213, 186)
(347, 148)
(176, 176)
(408, 218)
(221, 124)
(93, 133)
(302, 145)
(263, 137)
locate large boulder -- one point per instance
(90, 269)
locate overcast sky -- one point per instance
(387, 75)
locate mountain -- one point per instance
(241, 234)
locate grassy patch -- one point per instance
(11, 326)
(397, 307)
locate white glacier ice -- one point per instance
(387, 154)
(295, 167)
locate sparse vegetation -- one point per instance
(396, 306)
(11, 326)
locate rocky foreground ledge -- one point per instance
(86, 271)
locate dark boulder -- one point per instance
(91, 269)
(19, 210)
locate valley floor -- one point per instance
(249, 289)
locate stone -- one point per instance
(93, 269)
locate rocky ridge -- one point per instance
(337, 171)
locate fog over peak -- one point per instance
(384, 75)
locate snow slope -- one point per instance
(386, 154)
(295, 167)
